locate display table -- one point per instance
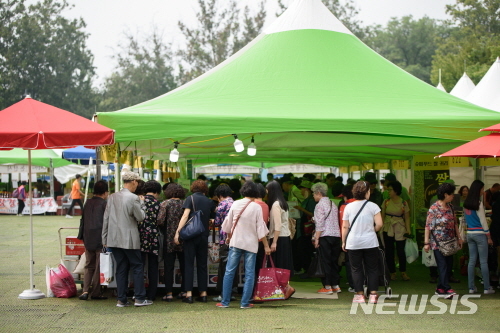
(40, 206)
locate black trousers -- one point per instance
(223, 254)
(330, 248)
(303, 252)
(152, 261)
(389, 253)
(364, 261)
(196, 248)
(444, 266)
(20, 206)
(129, 259)
(169, 263)
(73, 203)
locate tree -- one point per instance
(345, 11)
(409, 43)
(144, 71)
(473, 45)
(219, 34)
(45, 55)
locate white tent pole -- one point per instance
(51, 171)
(89, 173)
(31, 293)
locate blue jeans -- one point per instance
(478, 245)
(232, 265)
(444, 266)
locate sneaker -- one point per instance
(325, 291)
(336, 289)
(405, 276)
(393, 277)
(220, 305)
(373, 299)
(120, 304)
(249, 306)
(69, 216)
(489, 291)
(145, 302)
(441, 292)
(450, 293)
(472, 291)
(217, 299)
(358, 298)
(351, 290)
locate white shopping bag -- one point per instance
(107, 268)
(428, 258)
(411, 250)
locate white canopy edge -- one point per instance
(307, 14)
(441, 87)
(463, 87)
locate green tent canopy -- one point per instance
(309, 91)
(38, 157)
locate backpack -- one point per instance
(15, 194)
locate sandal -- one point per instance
(168, 298)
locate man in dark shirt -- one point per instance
(488, 195)
(93, 215)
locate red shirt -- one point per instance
(341, 212)
(265, 210)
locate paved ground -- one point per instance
(295, 315)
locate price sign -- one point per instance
(489, 161)
(400, 164)
(459, 162)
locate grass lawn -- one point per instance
(294, 315)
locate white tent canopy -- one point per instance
(488, 89)
(463, 87)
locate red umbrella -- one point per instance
(30, 124)
(494, 128)
(484, 147)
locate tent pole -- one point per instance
(117, 171)
(89, 174)
(413, 216)
(52, 179)
(98, 164)
(31, 293)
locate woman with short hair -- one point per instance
(327, 238)
(196, 247)
(361, 221)
(168, 218)
(246, 227)
(441, 226)
(478, 236)
(150, 235)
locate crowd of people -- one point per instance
(253, 221)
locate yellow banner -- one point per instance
(343, 170)
(381, 166)
(459, 162)
(400, 164)
(367, 166)
(489, 161)
(428, 162)
(354, 168)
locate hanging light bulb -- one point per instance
(238, 145)
(252, 149)
(174, 154)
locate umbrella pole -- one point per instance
(31, 293)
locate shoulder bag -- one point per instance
(194, 226)
(353, 221)
(228, 239)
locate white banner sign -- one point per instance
(17, 168)
(40, 206)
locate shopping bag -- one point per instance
(62, 283)
(462, 229)
(428, 258)
(316, 269)
(411, 250)
(106, 268)
(269, 287)
(80, 268)
(47, 281)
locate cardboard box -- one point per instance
(74, 246)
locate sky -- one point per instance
(108, 20)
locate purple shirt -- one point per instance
(326, 217)
(220, 214)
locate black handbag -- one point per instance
(316, 269)
(194, 226)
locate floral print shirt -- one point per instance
(220, 215)
(440, 223)
(326, 217)
(169, 216)
(148, 229)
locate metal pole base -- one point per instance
(31, 294)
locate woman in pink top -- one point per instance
(245, 226)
